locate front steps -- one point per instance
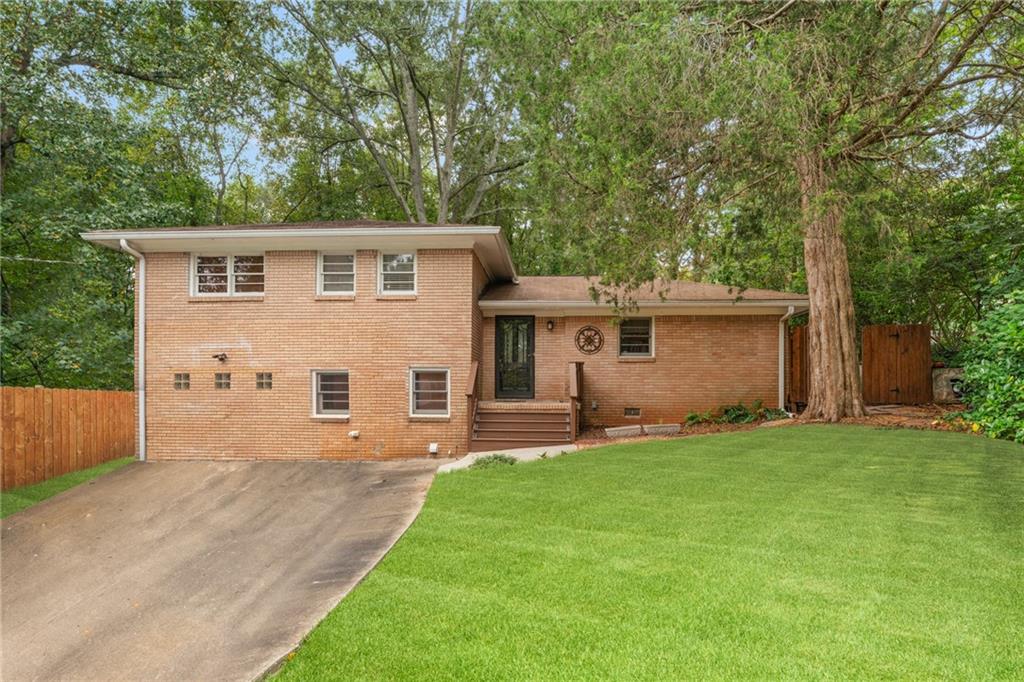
(525, 424)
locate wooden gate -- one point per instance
(897, 364)
(798, 362)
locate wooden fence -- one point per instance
(52, 431)
(896, 365)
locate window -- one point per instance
(428, 392)
(636, 338)
(264, 380)
(181, 381)
(227, 275)
(398, 273)
(222, 380)
(631, 412)
(330, 393)
(336, 274)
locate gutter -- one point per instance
(140, 294)
(782, 355)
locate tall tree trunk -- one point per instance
(835, 386)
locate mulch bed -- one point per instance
(927, 417)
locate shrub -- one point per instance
(994, 371)
(695, 418)
(739, 414)
(493, 461)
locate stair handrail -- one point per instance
(471, 400)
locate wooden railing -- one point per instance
(575, 397)
(52, 431)
(471, 400)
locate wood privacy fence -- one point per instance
(52, 431)
(896, 365)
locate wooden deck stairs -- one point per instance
(521, 424)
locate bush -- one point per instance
(994, 372)
(493, 461)
(695, 418)
(741, 414)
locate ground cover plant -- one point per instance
(811, 551)
(16, 499)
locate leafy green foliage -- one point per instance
(491, 461)
(994, 371)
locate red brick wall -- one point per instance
(292, 331)
(700, 363)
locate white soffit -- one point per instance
(487, 241)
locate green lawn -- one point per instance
(16, 499)
(807, 552)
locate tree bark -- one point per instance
(835, 384)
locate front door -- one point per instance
(513, 357)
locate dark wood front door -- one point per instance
(513, 357)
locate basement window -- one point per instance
(264, 380)
(227, 275)
(428, 392)
(182, 381)
(222, 380)
(330, 393)
(636, 338)
(631, 412)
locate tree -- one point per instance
(413, 86)
(684, 117)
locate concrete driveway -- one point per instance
(193, 570)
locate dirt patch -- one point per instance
(925, 417)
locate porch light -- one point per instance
(551, 325)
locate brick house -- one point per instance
(370, 339)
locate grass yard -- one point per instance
(799, 552)
(16, 499)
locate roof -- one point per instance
(573, 289)
(318, 225)
(344, 235)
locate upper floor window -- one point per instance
(336, 273)
(398, 273)
(222, 380)
(227, 275)
(182, 381)
(264, 380)
(636, 338)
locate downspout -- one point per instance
(782, 356)
(140, 295)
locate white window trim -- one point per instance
(412, 393)
(320, 273)
(637, 355)
(312, 392)
(415, 274)
(193, 277)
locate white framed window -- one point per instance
(335, 274)
(636, 337)
(429, 391)
(264, 380)
(221, 275)
(330, 392)
(222, 380)
(397, 273)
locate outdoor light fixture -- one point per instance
(221, 357)
(551, 325)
